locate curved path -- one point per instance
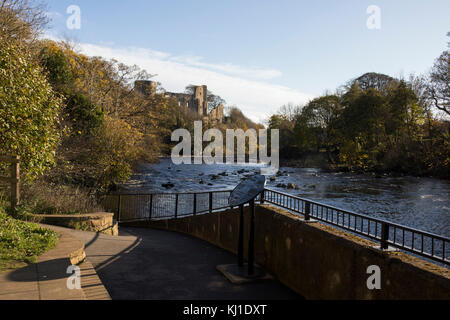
(154, 264)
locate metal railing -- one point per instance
(412, 240)
(135, 207)
(141, 207)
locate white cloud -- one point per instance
(228, 68)
(256, 98)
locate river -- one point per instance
(421, 203)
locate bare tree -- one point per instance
(214, 101)
(190, 89)
(438, 90)
(290, 111)
(21, 19)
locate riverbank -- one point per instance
(320, 161)
(376, 172)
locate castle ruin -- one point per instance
(197, 101)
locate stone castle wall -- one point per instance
(216, 114)
(145, 87)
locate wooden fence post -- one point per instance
(15, 182)
(14, 179)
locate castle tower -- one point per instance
(145, 87)
(201, 100)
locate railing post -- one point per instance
(195, 204)
(241, 237)
(176, 206)
(262, 196)
(384, 235)
(210, 202)
(307, 211)
(251, 241)
(151, 207)
(118, 207)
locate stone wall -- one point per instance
(146, 87)
(315, 260)
(96, 222)
(216, 115)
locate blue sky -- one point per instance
(260, 54)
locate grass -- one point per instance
(22, 242)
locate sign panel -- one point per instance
(247, 190)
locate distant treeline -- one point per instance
(374, 123)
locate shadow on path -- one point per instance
(51, 270)
(155, 264)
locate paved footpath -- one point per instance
(155, 264)
(47, 279)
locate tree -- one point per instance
(364, 112)
(282, 121)
(214, 101)
(54, 61)
(306, 136)
(323, 110)
(190, 89)
(362, 126)
(378, 81)
(238, 120)
(404, 111)
(439, 84)
(29, 110)
(21, 20)
(116, 143)
(316, 126)
(289, 111)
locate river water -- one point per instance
(421, 203)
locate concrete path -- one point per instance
(153, 264)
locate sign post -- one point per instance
(245, 194)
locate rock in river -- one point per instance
(168, 185)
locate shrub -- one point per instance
(47, 198)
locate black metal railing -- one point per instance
(135, 207)
(138, 207)
(419, 242)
